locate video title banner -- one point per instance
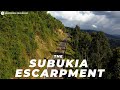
(59, 68)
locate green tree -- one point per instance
(113, 66)
(100, 51)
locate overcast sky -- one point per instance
(106, 21)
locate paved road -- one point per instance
(59, 51)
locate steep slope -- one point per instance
(24, 37)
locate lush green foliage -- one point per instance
(17, 38)
(18, 44)
(96, 49)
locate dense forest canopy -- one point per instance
(98, 49)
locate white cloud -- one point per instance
(82, 16)
(107, 21)
(94, 26)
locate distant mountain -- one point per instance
(117, 36)
(114, 40)
(108, 35)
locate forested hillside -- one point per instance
(37, 34)
(96, 48)
(24, 37)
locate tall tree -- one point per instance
(113, 66)
(100, 51)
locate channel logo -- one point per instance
(2, 13)
(6, 12)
